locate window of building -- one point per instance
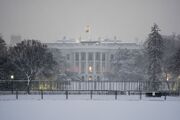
(90, 56)
(103, 56)
(68, 57)
(112, 56)
(98, 67)
(103, 67)
(77, 56)
(97, 56)
(90, 69)
(82, 78)
(76, 69)
(83, 56)
(90, 78)
(98, 78)
(83, 67)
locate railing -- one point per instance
(68, 88)
(132, 86)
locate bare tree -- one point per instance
(31, 58)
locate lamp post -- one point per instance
(12, 77)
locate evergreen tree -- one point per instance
(2, 45)
(3, 58)
(154, 50)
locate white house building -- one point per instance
(91, 60)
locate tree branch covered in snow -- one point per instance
(31, 58)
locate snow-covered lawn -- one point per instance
(87, 97)
(89, 110)
(86, 109)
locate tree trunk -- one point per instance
(28, 83)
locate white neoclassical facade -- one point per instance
(91, 60)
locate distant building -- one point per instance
(91, 60)
(14, 40)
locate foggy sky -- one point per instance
(50, 20)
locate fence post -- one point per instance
(16, 94)
(66, 94)
(28, 90)
(41, 94)
(140, 95)
(12, 87)
(91, 94)
(165, 95)
(115, 95)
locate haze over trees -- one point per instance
(126, 65)
(171, 56)
(158, 60)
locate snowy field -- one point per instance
(55, 107)
(88, 97)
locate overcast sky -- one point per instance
(50, 20)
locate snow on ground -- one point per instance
(55, 107)
(88, 97)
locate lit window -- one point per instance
(90, 69)
(90, 78)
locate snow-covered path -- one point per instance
(88, 110)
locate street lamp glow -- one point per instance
(12, 76)
(167, 79)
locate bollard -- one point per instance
(16, 95)
(41, 94)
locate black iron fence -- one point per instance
(131, 86)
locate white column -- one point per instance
(106, 59)
(101, 63)
(79, 63)
(74, 61)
